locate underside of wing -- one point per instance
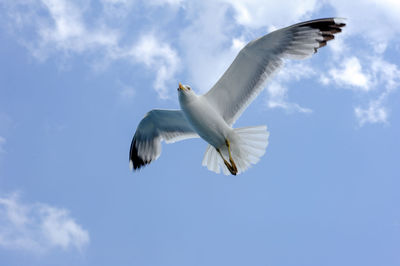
(157, 125)
(259, 59)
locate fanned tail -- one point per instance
(247, 144)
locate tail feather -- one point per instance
(214, 161)
(247, 144)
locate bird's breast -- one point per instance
(206, 121)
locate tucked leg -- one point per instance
(231, 169)
(230, 155)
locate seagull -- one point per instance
(212, 115)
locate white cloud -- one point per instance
(371, 77)
(277, 98)
(324, 79)
(351, 75)
(66, 31)
(277, 88)
(38, 227)
(61, 230)
(295, 71)
(339, 47)
(260, 13)
(205, 43)
(386, 77)
(370, 20)
(157, 56)
(209, 35)
(374, 113)
(238, 44)
(385, 73)
(369, 34)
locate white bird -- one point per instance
(211, 116)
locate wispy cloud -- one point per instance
(38, 227)
(372, 21)
(374, 113)
(351, 75)
(373, 82)
(277, 88)
(386, 80)
(66, 31)
(260, 13)
(277, 98)
(205, 43)
(208, 37)
(158, 57)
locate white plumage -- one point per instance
(212, 115)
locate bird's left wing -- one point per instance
(245, 77)
(157, 125)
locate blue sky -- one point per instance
(76, 78)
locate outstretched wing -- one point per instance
(157, 125)
(245, 77)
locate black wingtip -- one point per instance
(135, 161)
(327, 26)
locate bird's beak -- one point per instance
(181, 86)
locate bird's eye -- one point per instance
(189, 88)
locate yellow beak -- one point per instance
(181, 86)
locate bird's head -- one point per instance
(185, 92)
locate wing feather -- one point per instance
(259, 59)
(157, 125)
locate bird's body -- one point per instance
(211, 116)
(204, 119)
(209, 124)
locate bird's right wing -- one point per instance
(157, 125)
(245, 77)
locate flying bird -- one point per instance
(212, 115)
